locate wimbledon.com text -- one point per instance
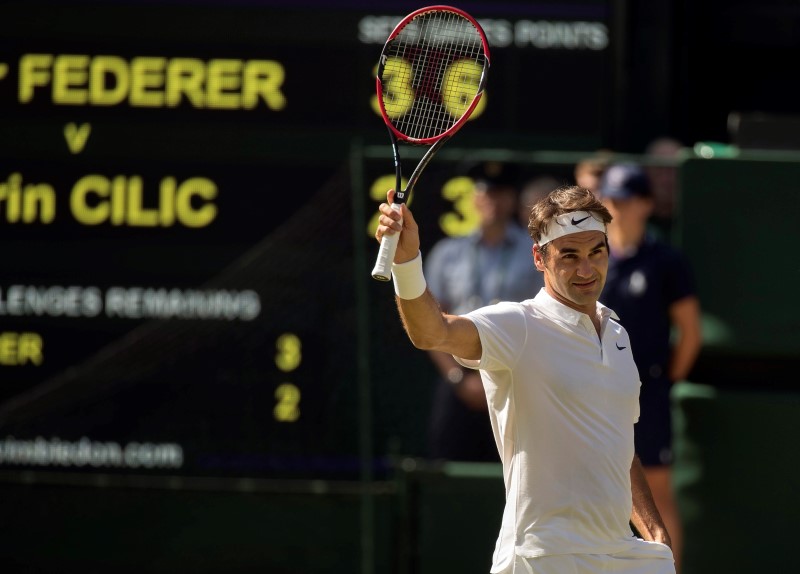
(85, 452)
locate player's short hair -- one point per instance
(564, 199)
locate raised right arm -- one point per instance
(425, 323)
(430, 329)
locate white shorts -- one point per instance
(643, 558)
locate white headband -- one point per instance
(572, 222)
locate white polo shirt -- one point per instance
(563, 402)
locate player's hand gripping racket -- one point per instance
(431, 75)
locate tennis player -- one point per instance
(563, 396)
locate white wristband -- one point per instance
(409, 282)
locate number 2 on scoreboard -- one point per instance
(287, 409)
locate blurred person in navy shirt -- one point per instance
(651, 288)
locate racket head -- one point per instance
(432, 73)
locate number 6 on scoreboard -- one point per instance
(431, 75)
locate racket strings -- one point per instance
(432, 72)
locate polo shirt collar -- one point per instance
(558, 310)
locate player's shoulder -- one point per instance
(534, 311)
(506, 307)
(616, 323)
(504, 310)
(502, 317)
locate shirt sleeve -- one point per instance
(503, 334)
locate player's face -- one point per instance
(575, 269)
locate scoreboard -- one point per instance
(184, 232)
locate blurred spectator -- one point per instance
(492, 264)
(534, 190)
(651, 288)
(664, 181)
(589, 170)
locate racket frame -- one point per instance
(382, 270)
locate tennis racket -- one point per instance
(431, 75)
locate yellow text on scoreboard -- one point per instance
(20, 348)
(151, 81)
(120, 200)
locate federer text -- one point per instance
(151, 82)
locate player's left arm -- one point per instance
(684, 315)
(645, 516)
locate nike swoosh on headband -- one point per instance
(567, 223)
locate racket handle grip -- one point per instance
(383, 264)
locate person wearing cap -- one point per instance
(651, 287)
(491, 264)
(563, 396)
